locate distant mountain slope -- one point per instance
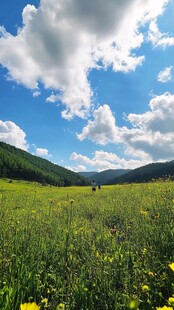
(105, 176)
(147, 173)
(18, 164)
(87, 174)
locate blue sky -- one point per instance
(88, 84)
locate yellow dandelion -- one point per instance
(144, 251)
(29, 306)
(110, 259)
(171, 301)
(171, 266)
(164, 308)
(45, 301)
(150, 273)
(145, 288)
(143, 212)
(133, 304)
(61, 306)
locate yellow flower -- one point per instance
(143, 212)
(144, 251)
(133, 304)
(61, 306)
(29, 306)
(171, 266)
(164, 308)
(150, 273)
(171, 301)
(145, 288)
(45, 301)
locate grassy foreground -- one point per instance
(112, 249)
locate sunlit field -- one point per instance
(69, 248)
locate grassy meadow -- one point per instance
(69, 248)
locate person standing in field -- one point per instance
(99, 185)
(94, 186)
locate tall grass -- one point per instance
(105, 250)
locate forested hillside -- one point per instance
(18, 164)
(147, 173)
(107, 175)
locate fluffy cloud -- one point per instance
(102, 129)
(157, 38)
(42, 152)
(78, 168)
(12, 134)
(36, 93)
(53, 98)
(103, 160)
(61, 41)
(151, 137)
(165, 75)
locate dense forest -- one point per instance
(18, 164)
(106, 176)
(147, 173)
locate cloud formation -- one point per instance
(157, 38)
(12, 134)
(42, 152)
(61, 41)
(165, 75)
(102, 129)
(151, 137)
(102, 160)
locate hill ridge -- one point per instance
(19, 164)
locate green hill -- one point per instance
(147, 173)
(87, 174)
(18, 164)
(107, 175)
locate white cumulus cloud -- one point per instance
(102, 129)
(165, 75)
(12, 134)
(61, 41)
(42, 152)
(157, 38)
(150, 138)
(103, 160)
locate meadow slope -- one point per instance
(69, 248)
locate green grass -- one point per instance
(86, 250)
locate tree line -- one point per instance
(18, 164)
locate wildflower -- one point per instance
(143, 212)
(61, 306)
(164, 308)
(29, 306)
(144, 251)
(110, 259)
(133, 304)
(150, 273)
(45, 301)
(171, 266)
(171, 301)
(145, 288)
